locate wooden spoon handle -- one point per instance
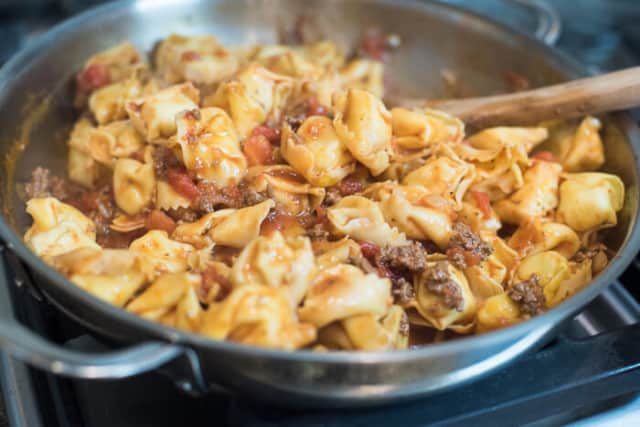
(615, 91)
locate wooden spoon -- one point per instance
(615, 91)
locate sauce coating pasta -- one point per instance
(267, 196)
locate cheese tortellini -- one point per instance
(210, 146)
(265, 195)
(590, 200)
(154, 116)
(363, 124)
(199, 59)
(317, 152)
(57, 228)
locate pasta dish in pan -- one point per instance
(267, 196)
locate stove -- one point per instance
(575, 380)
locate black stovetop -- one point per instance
(566, 380)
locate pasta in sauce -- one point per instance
(267, 196)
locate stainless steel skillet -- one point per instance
(35, 107)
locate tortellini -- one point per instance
(363, 74)
(539, 236)
(415, 131)
(286, 187)
(168, 198)
(500, 154)
(254, 95)
(237, 228)
(536, 198)
(107, 104)
(443, 299)
(590, 200)
(273, 261)
(133, 185)
(257, 315)
(368, 332)
(154, 115)
(159, 254)
(343, 291)
(446, 176)
(114, 141)
(114, 288)
(363, 124)
(551, 268)
(497, 312)
(415, 212)
(83, 168)
(163, 295)
(489, 277)
(578, 147)
(342, 251)
(362, 219)
(316, 152)
(119, 61)
(200, 59)
(210, 146)
(57, 228)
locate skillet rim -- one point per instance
(627, 252)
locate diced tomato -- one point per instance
(314, 108)
(482, 201)
(190, 56)
(273, 135)
(93, 77)
(546, 156)
(180, 181)
(257, 150)
(369, 250)
(470, 259)
(374, 45)
(158, 220)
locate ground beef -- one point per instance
(439, 282)
(331, 196)
(163, 160)
(213, 198)
(99, 205)
(234, 197)
(183, 214)
(411, 257)
(467, 248)
(347, 187)
(39, 184)
(529, 295)
(252, 197)
(43, 184)
(588, 253)
(298, 112)
(403, 291)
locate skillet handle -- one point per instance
(29, 347)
